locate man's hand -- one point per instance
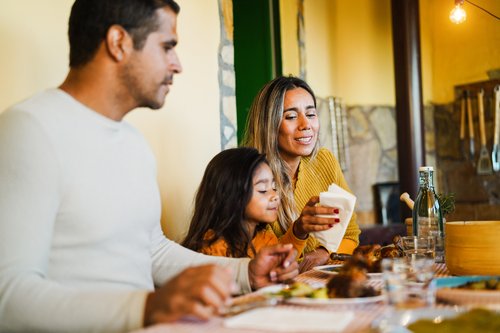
(308, 220)
(197, 291)
(320, 256)
(273, 264)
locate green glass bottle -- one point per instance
(427, 215)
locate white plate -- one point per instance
(334, 301)
(334, 269)
(448, 293)
(272, 289)
(468, 297)
(398, 321)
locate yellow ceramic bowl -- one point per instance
(473, 247)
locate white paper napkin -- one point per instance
(339, 198)
(291, 320)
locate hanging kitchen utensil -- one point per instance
(471, 129)
(495, 153)
(484, 162)
(463, 144)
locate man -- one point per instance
(81, 248)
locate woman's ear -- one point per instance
(118, 42)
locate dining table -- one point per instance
(362, 315)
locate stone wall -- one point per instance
(227, 77)
(372, 154)
(477, 196)
(370, 146)
(372, 151)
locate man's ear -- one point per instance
(118, 42)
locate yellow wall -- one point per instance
(318, 40)
(184, 134)
(320, 52)
(349, 54)
(34, 48)
(348, 48)
(364, 52)
(426, 51)
(461, 53)
(289, 46)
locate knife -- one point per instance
(471, 129)
(340, 256)
(495, 153)
(484, 162)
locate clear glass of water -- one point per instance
(439, 248)
(417, 247)
(408, 282)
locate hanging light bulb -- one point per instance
(458, 14)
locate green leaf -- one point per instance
(447, 202)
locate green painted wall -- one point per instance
(257, 51)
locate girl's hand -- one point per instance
(315, 258)
(309, 221)
(273, 264)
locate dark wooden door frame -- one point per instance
(409, 106)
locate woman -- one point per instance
(283, 124)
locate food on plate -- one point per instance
(374, 253)
(476, 320)
(371, 255)
(489, 284)
(300, 289)
(352, 280)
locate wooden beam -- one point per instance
(409, 106)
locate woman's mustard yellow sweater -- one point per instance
(314, 176)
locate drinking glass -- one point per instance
(416, 247)
(408, 282)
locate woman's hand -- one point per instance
(310, 222)
(318, 257)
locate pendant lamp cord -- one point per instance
(490, 13)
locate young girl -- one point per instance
(235, 205)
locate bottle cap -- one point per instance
(426, 168)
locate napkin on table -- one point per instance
(291, 320)
(339, 198)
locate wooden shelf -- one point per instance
(474, 87)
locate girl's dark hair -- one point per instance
(224, 192)
(90, 20)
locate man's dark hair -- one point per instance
(90, 20)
